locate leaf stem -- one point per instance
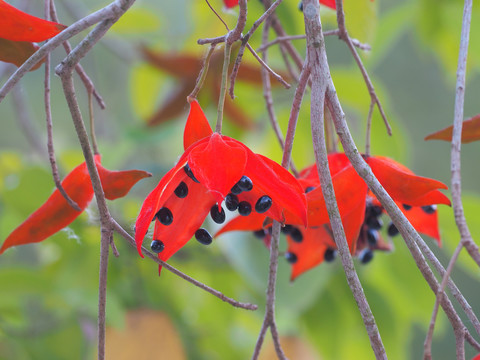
(223, 87)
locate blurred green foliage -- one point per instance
(48, 302)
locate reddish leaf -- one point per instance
(19, 26)
(401, 185)
(197, 126)
(17, 52)
(470, 131)
(117, 184)
(56, 213)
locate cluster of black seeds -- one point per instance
(232, 203)
(244, 208)
(368, 239)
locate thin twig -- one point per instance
(223, 87)
(269, 319)
(280, 39)
(245, 43)
(87, 82)
(203, 74)
(120, 230)
(294, 112)
(267, 93)
(343, 34)
(369, 129)
(65, 71)
(92, 124)
(427, 355)
(455, 162)
(217, 14)
(48, 116)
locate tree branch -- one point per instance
(120, 230)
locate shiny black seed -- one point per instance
(244, 208)
(245, 183)
(291, 257)
(218, 217)
(366, 256)
(263, 204)
(296, 235)
(330, 255)
(429, 209)
(203, 236)
(259, 233)
(236, 189)
(157, 246)
(372, 237)
(374, 223)
(287, 229)
(165, 216)
(189, 172)
(308, 189)
(182, 190)
(231, 202)
(406, 207)
(300, 6)
(392, 230)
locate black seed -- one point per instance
(263, 204)
(259, 234)
(366, 256)
(189, 172)
(300, 6)
(429, 209)
(157, 246)
(218, 217)
(296, 235)
(406, 207)
(372, 237)
(330, 255)
(244, 208)
(231, 202)
(236, 189)
(291, 257)
(182, 190)
(245, 183)
(374, 223)
(165, 216)
(392, 230)
(203, 236)
(308, 189)
(287, 229)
